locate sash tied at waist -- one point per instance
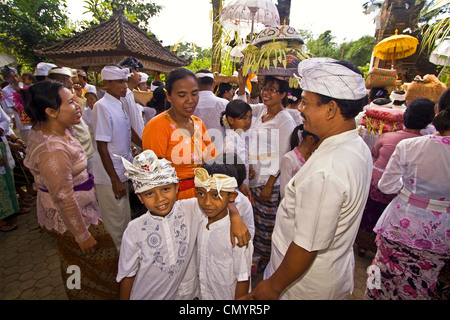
(85, 186)
(424, 203)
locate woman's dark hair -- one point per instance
(235, 109)
(294, 95)
(178, 74)
(295, 139)
(40, 96)
(158, 101)
(444, 100)
(442, 121)
(222, 88)
(419, 114)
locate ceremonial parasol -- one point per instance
(441, 55)
(398, 46)
(244, 13)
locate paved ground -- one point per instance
(30, 267)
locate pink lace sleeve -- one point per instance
(56, 172)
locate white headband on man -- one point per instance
(219, 182)
(115, 73)
(148, 172)
(204, 75)
(63, 71)
(326, 77)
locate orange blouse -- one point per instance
(162, 135)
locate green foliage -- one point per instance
(27, 25)
(358, 52)
(137, 11)
(324, 46)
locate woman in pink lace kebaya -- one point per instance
(413, 233)
(66, 203)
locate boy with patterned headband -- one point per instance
(224, 272)
(157, 255)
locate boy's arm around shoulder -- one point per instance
(238, 228)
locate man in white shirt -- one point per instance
(318, 219)
(133, 110)
(210, 107)
(82, 79)
(112, 133)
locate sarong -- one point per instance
(405, 273)
(98, 271)
(8, 197)
(264, 213)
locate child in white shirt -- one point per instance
(237, 117)
(157, 255)
(224, 271)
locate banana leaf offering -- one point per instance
(275, 51)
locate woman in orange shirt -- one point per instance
(177, 135)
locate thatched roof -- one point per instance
(110, 42)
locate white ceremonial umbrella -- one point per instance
(441, 55)
(245, 13)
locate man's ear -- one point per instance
(333, 109)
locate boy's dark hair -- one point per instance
(223, 164)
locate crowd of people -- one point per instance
(188, 196)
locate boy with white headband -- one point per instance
(112, 135)
(318, 218)
(158, 255)
(224, 272)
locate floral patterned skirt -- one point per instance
(405, 273)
